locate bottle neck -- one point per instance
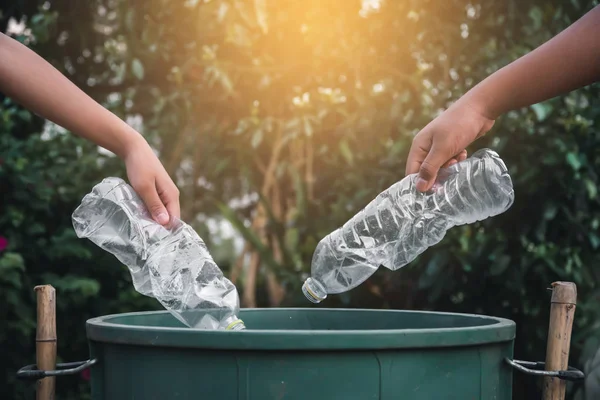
(314, 291)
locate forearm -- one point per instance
(31, 81)
(567, 62)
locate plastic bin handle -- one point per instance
(538, 368)
(30, 372)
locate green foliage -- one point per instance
(42, 179)
(297, 114)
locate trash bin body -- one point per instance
(300, 354)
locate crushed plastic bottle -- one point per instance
(170, 264)
(401, 223)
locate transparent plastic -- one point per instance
(170, 264)
(401, 223)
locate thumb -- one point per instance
(155, 206)
(430, 167)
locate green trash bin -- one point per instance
(300, 354)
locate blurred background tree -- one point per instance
(279, 120)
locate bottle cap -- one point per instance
(236, 325)
(313, 291)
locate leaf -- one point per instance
(11, 261)
(346, 152)
(37, 18)
(500, 265)
(260, 6)
(221, 165)
(573, 161)
(594, 240)
(308, 129)
(129, 19)
(541, 110)
(537, 17)
(226, 82)
(25, 115)
(301, 204)
(75, 285)
(222, 12)
(292, 238)
(12, 266)
(550, 211)
(191, 3)
(591, 188)
(257, 138)
(137, 68)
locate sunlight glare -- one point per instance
(370, 7)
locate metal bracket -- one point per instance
(538, 369)
(30, 372)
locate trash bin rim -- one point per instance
(101, 329)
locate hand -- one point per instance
(151, 181)
(443, 141)
(33, 82)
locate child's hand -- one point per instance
(443, 141)
(546, 72)
(33, 82)
(150, 180)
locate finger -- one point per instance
(150, 197)
(462, 156)
(430, 167)
(170, 198)
(450, 163)
(417, 153)
(173, 208)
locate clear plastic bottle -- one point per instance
(170, 264)
(401, 223)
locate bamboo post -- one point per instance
(562, 312)
(46, 339)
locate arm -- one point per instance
(567, 62)
(34, 83)
(31, 81)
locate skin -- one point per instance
(29, 80)
(567, 62)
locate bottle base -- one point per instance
(312, 292)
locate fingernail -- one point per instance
(421, 184)
(162, 218)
